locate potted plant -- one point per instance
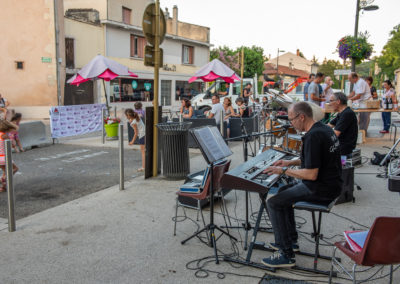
(354, 48)
(111, 126)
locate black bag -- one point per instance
(378, 159)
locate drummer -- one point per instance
(345, 123)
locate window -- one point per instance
(166, 92)
(137, 46)
(185, 90)
(19, 64)
(69, 53)
(130, 90)
(187, 54)
(126, 15)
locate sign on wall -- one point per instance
(75, 119)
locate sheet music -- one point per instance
(211, 143)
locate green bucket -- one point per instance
(111, 129)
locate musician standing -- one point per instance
(344, 124)
(320, 173)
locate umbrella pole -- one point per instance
(105, 94)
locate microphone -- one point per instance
(285, 117)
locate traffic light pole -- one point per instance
(156, 87)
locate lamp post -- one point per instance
(277, 63)
(364, 6)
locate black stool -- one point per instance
(313, 207)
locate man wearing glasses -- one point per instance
(320, 172)
(344, 124)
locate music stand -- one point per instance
(213, 148)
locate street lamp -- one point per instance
(366, 7)
(277, 62)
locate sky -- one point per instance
(313, 26)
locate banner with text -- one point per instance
(75, 120)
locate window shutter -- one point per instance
(190, 54)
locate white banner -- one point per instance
(75, 120)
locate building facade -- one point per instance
(33, 56)
(113, 28)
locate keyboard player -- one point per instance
(320, 175)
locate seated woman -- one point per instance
(228, 113)
(186, 109)
(243, 110)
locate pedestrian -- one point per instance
(311, 78)
(360, 94)
(327, 89)
(16, 143)
(140, 111)
(243, 109)
(314, 93)
(369, 81)
(247, 93)
(186, 109)
(216, 110)
(3, 106)
(5, 128)
(389, 101)
(140, 132)
(229, 112)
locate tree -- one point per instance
(390, 59)
(253, 59)
(328, 67)
(227, 56)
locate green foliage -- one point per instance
(253, 59)
(390, 59)
(364, 69)
(328, 67)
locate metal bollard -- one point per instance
(221, 123)
(10, 187)
(121, 157)
(115, 111)
(103, 134)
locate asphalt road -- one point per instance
(59, 173)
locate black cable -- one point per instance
(350, 220)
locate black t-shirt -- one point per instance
(346, 123)
(321, 150)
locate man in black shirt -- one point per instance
(344, 124)
(320, 173)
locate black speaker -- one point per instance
(348, 186)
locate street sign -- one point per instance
(149, 56)
(46, 59)
(149, 24)
(338, 72)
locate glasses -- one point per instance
(291, 119)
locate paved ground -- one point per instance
(126, 237)
(59, 173)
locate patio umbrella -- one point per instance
(215, 70)
(100, 67)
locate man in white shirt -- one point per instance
(216, 109)
(361, 93)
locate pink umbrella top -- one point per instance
(100, 67)
(215, 70)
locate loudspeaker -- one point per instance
(348, 186)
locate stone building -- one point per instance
(113, 28)
(32, 72)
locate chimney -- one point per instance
(298, 52)
(166, 13)
(175, 19)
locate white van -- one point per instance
(203, 101)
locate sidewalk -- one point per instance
(126, 236)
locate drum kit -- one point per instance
(280, 127)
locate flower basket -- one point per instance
(354, 48)
(111, 126)
(111, 129)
